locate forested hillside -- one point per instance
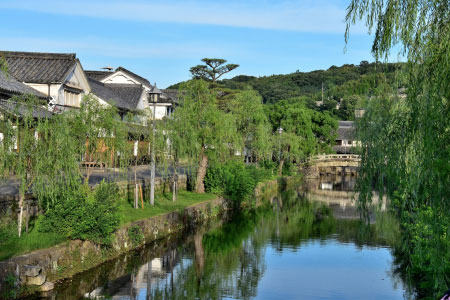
(343, 87)
(338, 82)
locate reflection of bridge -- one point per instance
(336, 164)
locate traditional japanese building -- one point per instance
(133, 91)
(59, 76)
(346, 138)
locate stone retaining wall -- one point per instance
(66, 260)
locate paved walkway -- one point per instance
(10, 187)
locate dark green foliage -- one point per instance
(10, 287)
(406, 140)
(232, 179)
(212, 69)
(277, 87)
(86, 215)
(135, 234)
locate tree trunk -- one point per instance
(19, 223)
(280, 167)
(27, 218)
(201, 172)
(136, 201)
(175, 182)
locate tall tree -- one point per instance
(212, 70)
(207, 132)
(36, 151)
(252, 123)
(99, 135)
(406, 141)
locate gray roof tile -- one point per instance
(108, 93)
(11, 86)
(97, 75)
(129, 93)
(39, 67)
(21, 109)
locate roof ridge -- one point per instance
(39, 54)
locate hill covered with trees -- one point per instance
(343, 87)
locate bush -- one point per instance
(232, 179)
(267, 164)
(86, 215)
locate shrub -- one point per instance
(232, 179)
(135, 234)
(86, 215)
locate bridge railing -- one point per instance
(328, 157)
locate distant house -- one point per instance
(346, 139)
(59, 76)
(131, 92)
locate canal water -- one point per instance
(298, 245)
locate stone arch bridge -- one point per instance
(331, 164)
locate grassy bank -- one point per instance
(11, 245)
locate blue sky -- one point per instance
(161, 40)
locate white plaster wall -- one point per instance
(160, 111)
(43, 88)
(120, 77)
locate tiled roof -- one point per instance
(107, 93)
(345, 133)
(97, 75)
(10, 86)
(20, 109)
(129, 93)
(172, 94)
(39, 67)
(346, 123)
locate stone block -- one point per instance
(31, 271)
(36, 280)
(48, 286)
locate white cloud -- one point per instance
(308, 16)
(179, 50)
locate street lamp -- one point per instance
(280, 131)
(153, 96)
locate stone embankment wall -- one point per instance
(42, 267)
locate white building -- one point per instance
(58, 76)
(131, 91)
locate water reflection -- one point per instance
(290, 248)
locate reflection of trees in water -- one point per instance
(230, 261)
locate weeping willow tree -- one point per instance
(406, 142)
(200, 130)
(36, 152)
(99, 135)
(252, 124)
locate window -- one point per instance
(71, 98)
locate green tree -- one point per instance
(212, 70)
(35, 151)
(3, 65)
(410, 161)
(252, 123)
(209, 133)
(98, 134)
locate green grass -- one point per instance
(163, 204)
(11, 245)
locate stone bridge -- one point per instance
(327, 164)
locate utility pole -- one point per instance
(155, 93)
